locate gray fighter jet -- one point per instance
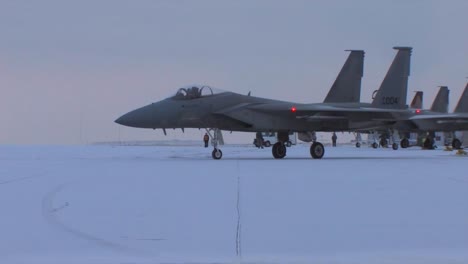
(206, 107)
(440, 105)
(437, 120)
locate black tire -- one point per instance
(217, 154)
(317, 150)
(279, 150)
(358, 145)
(395, 146)
(404, 143)
(375, 145)
(267, 144)
(428, 144)
(384, 142)
(456, 143)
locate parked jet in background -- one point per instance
(439, 105)
(447, 123)
(461, 108)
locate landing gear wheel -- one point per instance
(267, 144)
(404, 143)
(358, 145)
(317, 150)
(375, 145)
(428, 144)
(384, 143)
(288, 144)
(456, 143)
(279, 150)
(394, 146)
(217, 154)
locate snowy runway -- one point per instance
(102, 204)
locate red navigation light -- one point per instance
(293, 109)
(418, 111)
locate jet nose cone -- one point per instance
(137, 118)
(121, 121)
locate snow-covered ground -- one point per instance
(174, 204)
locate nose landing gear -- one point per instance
(216, 139)
(217, 154)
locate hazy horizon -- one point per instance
(69, 69)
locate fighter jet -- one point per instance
(439, 121)
(206, 107)
(460, 109)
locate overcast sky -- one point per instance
(68, 69)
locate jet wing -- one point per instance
(317, 108)
(327, 111)
(440, 122)
(440, 117)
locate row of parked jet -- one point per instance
(341, 110)
(426, 139)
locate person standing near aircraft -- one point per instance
(334, 138)
(206, 138)
(259, 138)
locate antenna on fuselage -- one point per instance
(249, 93)
(164, 130)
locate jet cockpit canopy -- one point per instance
(195, 91)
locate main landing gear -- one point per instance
(217, 154)
(358, 139)
(317, 150)
(404, 143)
(456, 143)
(395, 136)
(279, 150)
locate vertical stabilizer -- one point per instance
(393, 90)
(462, 106)
(347, 86)
(417, 102)
(441, 101)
